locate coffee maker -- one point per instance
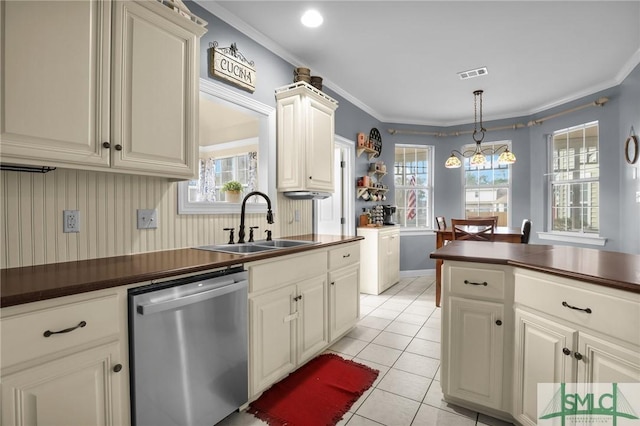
(388, 212)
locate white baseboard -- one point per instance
(418, 273)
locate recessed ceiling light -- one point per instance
(311, 18)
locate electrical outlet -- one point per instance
(147, 218)
(71, 221)
(296, 215)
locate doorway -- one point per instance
(336, 215)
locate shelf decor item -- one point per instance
(376, 139)
(233, 188)
(227, 63)
(631, 148)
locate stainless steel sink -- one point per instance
(284, 243)
(256, 247)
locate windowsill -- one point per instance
(594, 240)
(410, 232)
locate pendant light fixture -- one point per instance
(477, 155)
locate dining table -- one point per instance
(503, 234)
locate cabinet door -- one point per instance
(80, 389)
(290, 146)
(55, 82)
(154, 93)
(474, 370)
(540, 348)
(344, 300)
(606, 362)
(393, 259)
(319, 146)
(272, 335)
(313, 333)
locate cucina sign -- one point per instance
(229, 64)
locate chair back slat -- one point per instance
(441, 222)
(473, 229)
(526, 231)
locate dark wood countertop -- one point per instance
(40, 282)
(611, 269)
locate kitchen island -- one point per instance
(516, 315)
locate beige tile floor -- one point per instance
(399, 335)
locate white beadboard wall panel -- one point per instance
(32, 206)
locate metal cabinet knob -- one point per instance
(498, 322)
(117, 368)
(566, 351)
(118, 147)
(577, 356)
(106, 145)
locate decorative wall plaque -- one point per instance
(229, 64)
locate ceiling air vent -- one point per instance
(473, 73)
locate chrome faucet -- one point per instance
(244, 202)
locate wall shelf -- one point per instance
(370, 151)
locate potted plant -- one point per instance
(233, 188)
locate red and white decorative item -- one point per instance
(411, 202)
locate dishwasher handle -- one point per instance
(153, 308)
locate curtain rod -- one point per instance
(597, 102)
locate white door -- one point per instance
(335, 215)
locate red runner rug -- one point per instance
(317, 394)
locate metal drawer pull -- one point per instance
(66, 330)
(346, 255)
(472, 283)
(587, 310)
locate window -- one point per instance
(488, 187)
(413, 178)
(215, 169)
(574, 184)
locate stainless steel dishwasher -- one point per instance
(188, 349)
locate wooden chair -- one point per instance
(482, 229)
(441, 222)
(526, 231)
(495, 218)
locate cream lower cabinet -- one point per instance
(571, 332)
(380, 261)
(344, 289)
(288, 316)
(477, 327)
(78, 374)
(118, 91)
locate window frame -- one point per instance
(428, 187)
(508, 186)
(571, 236)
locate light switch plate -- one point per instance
(637, 196)
(147, 218)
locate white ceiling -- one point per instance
(398, 60)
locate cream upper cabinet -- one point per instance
(64, 362)
(100, 85)
(380, 262)
(305, 131)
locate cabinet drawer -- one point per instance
(476, 281)
(23, 336)
(290, 269)
(613, 312)
(344, 255)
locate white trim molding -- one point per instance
(411, 232)
(593, 240)
(418, 273)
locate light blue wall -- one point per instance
(619, 212)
